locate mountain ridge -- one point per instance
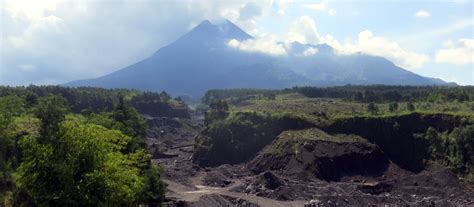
(202, 59)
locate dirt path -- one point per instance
(193, 193)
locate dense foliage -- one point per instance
(97, 100)
(382, 93)
(455, 147)
(218, 110)
(50, 155)
(373, 93)
(237, 95)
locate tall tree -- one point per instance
(51, 111)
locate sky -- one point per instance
(54, 42)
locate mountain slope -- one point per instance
(202, 60)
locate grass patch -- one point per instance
(291, 140)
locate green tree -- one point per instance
(358, 97)
(51, 111)
(372, 108)
(153, 192)
(369, 96)
(165, 96)
(129, 121)
(393, 107)
(83, 167)
(410, 106)
(437, 147)
(31, 99)
(10, 107)
(461, 148)
(218, 110)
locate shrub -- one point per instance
(372, 108)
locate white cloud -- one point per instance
(310, 51)
(458, 53)
(266, 45)
(249, 11)
(32, 10)
(303, 30)
(330, 40)
(368, 43)
(422, 14)
(280, 7)
(316, 6)
(322, 7)
(247, 16)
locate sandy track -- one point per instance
(193, 193)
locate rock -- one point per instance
(157, 154)
(250, 189)
(216, 179)
(308, 146)
(313, 203)
(271, 181)
(375, 188)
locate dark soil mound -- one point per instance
(327, 157)
(216, 179)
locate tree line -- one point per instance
(358, 93)
(384, 93)
(89, 98)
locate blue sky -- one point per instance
(51, 42)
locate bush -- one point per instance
(455, 148)
(372, 108)
(461, 148)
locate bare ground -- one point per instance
(236, 185)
